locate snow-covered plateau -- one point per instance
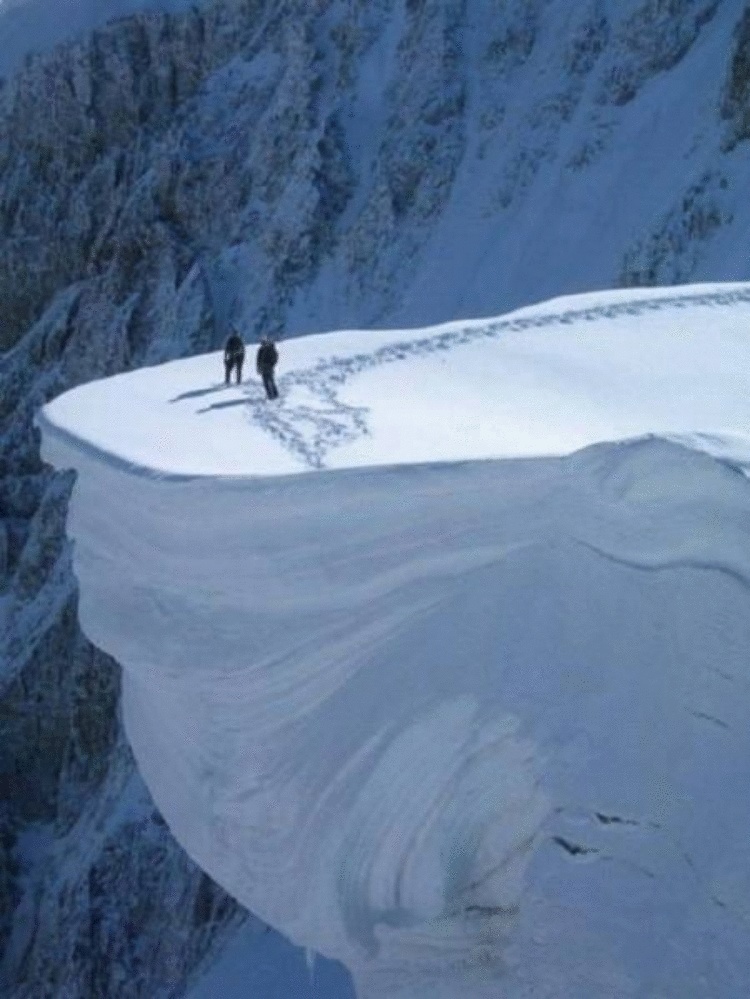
(441, 663)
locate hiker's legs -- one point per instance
(228, 365)
(268, 384)
(238, 362)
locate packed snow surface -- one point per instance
(544, 380)
(475, 728)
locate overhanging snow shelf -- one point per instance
(475, 728)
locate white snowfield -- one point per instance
(476, 728)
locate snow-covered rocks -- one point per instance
(474, 728)
(350, 163)
(29, 27)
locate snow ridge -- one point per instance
(398, 755)
(436, 721)
(311, 431)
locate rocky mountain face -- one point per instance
(29, 26)
(289, 167)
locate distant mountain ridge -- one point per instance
(31, 27)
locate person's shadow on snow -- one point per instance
(249, 401)
(197, 393)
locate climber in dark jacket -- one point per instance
(265, 362)
(234, 356)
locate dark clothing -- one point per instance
(233, 363)
(269, 384)
(265, 362)
(267, 357)
(234, 345)
(234, 356)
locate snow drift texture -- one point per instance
(475, 729)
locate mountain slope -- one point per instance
(29, 27)
(472, 728)
(370, 163)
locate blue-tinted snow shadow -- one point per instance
(197, 393)
(248, 401)
(263, 963)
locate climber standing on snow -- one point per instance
(265, 362)
(234, 356)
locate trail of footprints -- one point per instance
(311, 430)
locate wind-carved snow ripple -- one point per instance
(401, 852)
(439, 835)
(355, 731)
(311, 431)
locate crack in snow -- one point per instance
(703, 716)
